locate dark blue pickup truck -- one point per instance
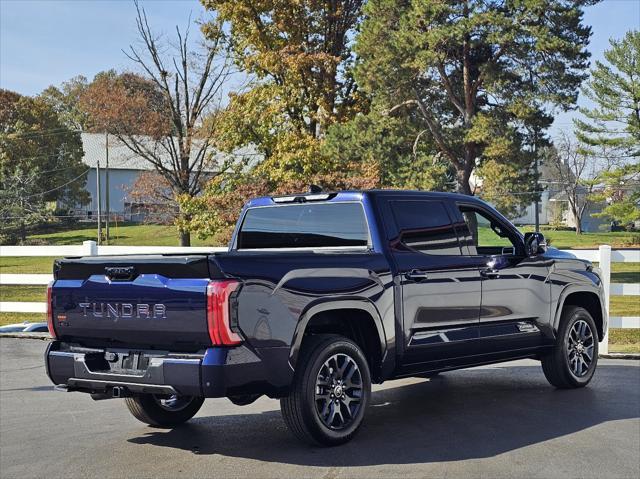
(318, 296)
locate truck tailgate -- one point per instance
(147, 301)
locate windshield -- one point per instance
(304, 226)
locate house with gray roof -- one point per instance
(125, 167)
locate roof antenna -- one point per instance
(315, 189)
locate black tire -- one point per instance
(573, 360)
(314, 386)
(158, 412)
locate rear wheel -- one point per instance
(573, 360)
(330, 392)
(163, 411)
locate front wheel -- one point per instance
(573, 360)
(330, 391)
(161, 411)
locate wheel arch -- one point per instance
(357, 319)
(590, 300)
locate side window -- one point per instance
(485, 234)
(425, 226)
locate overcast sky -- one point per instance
(44, 42)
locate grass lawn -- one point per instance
(129, 234)
(627, 340)
(124, 235)
(620, 272)
(26, 264)
(624, 340)
(12, 318)
(625, 273)
(30, 292)
(570, 240)
(624, 306)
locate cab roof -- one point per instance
(353, 195)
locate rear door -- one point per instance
(440, 287)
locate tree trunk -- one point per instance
(577, 218)
(23, 232)
(185, 238)
(462, 178)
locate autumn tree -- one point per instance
(40, 162)
(65, 101)
(478, 74)
(159, 113)
(299, 58)
(152, 197)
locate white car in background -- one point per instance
(25, 327)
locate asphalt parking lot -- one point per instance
(499, 421)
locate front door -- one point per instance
(440, 287)
(516, 296)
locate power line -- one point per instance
(41, 133)
(59, 187)
(95, 216)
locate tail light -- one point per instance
(52, 330)
(219, 313)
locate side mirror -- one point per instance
(534, 243)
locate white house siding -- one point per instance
(590, 223)
(529, 216)
(119, 182)
(124, 168)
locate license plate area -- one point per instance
(132, 363)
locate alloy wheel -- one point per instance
(338, 391)
(580, 348)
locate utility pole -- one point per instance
(537, 176)
(537, 208)
(98, 201)
(106, 193)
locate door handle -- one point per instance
(490, 273)
(416, 275)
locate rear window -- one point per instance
(425, 226)
(304, 226)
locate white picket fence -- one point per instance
(604, 255)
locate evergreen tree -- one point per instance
(478, 74)
(614, 88)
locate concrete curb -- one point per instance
(40, 336)
(620, 356)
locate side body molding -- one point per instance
(327, 273)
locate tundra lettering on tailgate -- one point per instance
(124, 310)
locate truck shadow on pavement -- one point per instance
(456, 416)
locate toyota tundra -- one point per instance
(318, 296)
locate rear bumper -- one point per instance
(213, 372)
